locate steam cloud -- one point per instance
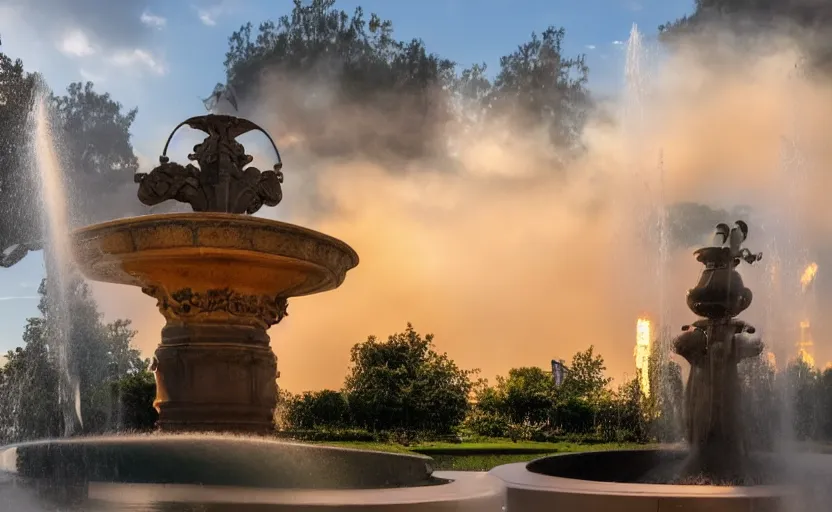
(510, 263)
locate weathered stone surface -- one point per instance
(220, 281)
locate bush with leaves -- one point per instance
(404, 384)
(326, 409)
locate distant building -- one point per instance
(558, 371)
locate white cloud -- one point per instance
(618, 43)
(210, 15)
(19, 297)
(590, 47)
(152, 20)
(139, 57)
(76, 44)
(206, 18)
(88, 76)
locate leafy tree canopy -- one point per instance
(586, 378)
(96, 354)
(94, 138)
(404, 384)
(804, 13)
(343, 84)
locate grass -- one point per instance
(482, 455)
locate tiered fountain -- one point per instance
(222, 279)
(717, 471)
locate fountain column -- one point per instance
(214, 367)
(713, 347)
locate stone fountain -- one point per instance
(713, 347)
(716, 471)
(221, 279)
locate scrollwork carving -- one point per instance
(222, 182)
(218, 305)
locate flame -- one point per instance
(806, 358)
(808, 275)
(642, 352)
(805, 345)
(772, 360)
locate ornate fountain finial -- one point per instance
(222, 182)
(713, 347)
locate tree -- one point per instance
(760, 407)
(807, 14)
(97, 156)
(528, 394)
(348, 87)
(29, 406)
(404, 384)
(537, 85)
(586, 379)
(803, 385)
(320, 409)
(18, 206)
(95, 356)
(805, 21)
(134, 395)
(96, 136)
(622, 415)
(665, 403)
(341, 76)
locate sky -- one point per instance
(163, 57)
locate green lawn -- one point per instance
(483, 455)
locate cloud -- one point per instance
(618, 43)
(209, 15)
(76, 44)
(590, 47)
(106, 23)
(89, 76)
(20, 297)
(139, 58)
(152, 20)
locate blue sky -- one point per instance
(163, 56)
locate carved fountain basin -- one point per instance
(221, 280)
(253, 257)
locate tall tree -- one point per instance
(540, 86)
(97, 152)
(806, 22)
(93, 134)
(585, 378)
(96, 355)
(342, 84)
(345, 84)
(404, 384)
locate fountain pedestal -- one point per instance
(215, 377)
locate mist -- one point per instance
(512, 259)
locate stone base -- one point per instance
(615, 481)
(195, 472)
(215, 378)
